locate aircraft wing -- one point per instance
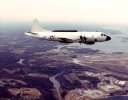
(65, 40)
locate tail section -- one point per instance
(36, 27)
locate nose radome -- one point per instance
(108, 38)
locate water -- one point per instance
(56, 85)
(21, 61)
(116, 98)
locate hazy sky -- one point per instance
(79, 11)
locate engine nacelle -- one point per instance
(89, 42)
(65, 40)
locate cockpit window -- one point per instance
(102, 34)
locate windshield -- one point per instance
(102, 34)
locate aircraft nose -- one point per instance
(108, 38)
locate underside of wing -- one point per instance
(65, 40)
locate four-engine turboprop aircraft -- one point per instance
(66, 36)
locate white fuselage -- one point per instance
(75, 36)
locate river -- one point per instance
(21, 61)
(116, 98)
(56, 85)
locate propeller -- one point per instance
(82, 39)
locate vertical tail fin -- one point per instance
(36, 27)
